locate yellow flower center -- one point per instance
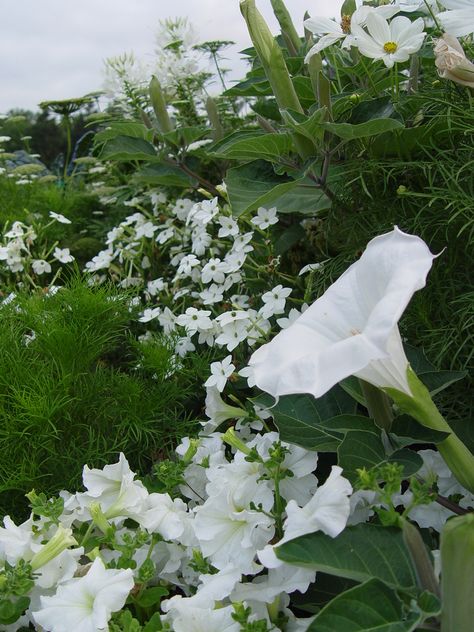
(390, 47)
(346, 24)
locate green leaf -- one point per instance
(154, 624)
(124, 128)
(299, 419)
(309, 126)
(126, 149)
(409, 432)
(380, 108)
(370, 607)
(321, 592)
(347, 131)
(437, 381)
(165, 175)
(255, 184)
(363, 448)
(184, 136)
(253, 145)
(360, 553)
(289, 238)
(306, 199)
(11, 611)
(151, 596)
(464, 428)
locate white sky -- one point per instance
(54, 49)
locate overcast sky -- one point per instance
(54, 49)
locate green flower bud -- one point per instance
(60, 541)
(271, 57)
(231, 439)
(457, 574)
(100, 518)
(159, 106)
(286, 23)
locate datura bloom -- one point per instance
(452, 63)
(459, 19)
(353, 328)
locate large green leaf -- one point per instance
(363, 448)
(184, 136)
(407, 431)
(164, 175)
(253, 145)
(299, 419)
(127, 149)
(370, 607)
(289, 238)
(379, 108)
(124, 128)
(306, 199)
(437, 381)
(360, 552)
(309, 126)
(347, 131)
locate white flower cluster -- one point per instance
(22, 250)
(235, 507)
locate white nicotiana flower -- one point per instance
(194, 320)
(155, 286)
(63, 255)
(214, 270)
(145, 230)
(351, 329)
(100, 261)
(149, 314)
(459, 19)
(59, 218)
(391, 42)
(86, 603)
(183, 346)
(212, 294)
(186, 265)
(265, 218)
(292, 317)
(164, 235)
(203, 212)
(220, 372)
(40, 266)
(274, 301)
(167, 320)
(229, 227)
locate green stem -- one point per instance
(420, 558)
(67, 125)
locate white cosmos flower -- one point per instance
(391, 43)
(352, 329)
(331, 31)
(86, 604)
(459, 19)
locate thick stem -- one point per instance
(420, 558)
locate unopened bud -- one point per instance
(60, 541)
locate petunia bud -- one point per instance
(60, 541)
(159, 106)
(457, 574)
(452, 63)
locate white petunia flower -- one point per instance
(218, 411)
(351, 329)
(220, 371)
(205, 620)
(86, 604)
(59, 218)
(265, 218)
(391, 43)
(63, 255)
(459, 19)
(40, 266)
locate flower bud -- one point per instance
(233, 440)
(271, 57)
(452, 63)
(286, 23)
(60, 541)
(159, 106)
(457, 574)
